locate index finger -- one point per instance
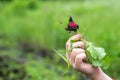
(76, 37)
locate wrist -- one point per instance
(99, 75)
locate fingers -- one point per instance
(78, 44)
(77, 48)
(74, 53)
(75, 37)
(79, 60)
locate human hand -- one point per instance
(77, 60)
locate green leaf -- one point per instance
(96, 55)
(92, 52)
(60, 53)
(87, 44)
(96, 63)
(105, 62)
(100, 52)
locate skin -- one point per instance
(77, 57)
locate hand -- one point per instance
(77, 60)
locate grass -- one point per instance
(38, 26)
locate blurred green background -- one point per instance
(31, 29)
